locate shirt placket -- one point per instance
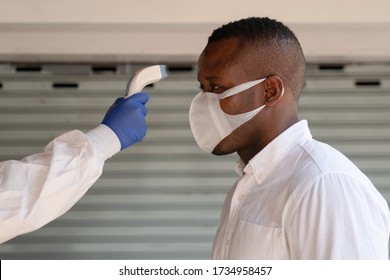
(243, 187)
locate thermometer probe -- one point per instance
(144, 77)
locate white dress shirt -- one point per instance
(41, 187)
(302, 199)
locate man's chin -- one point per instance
(217, 153)
(220, 151)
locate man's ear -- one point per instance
(274, 90)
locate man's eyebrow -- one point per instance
(213, 78)
(210, 77)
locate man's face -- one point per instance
(221, 66)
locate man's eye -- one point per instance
(216, 89)
(211, 88)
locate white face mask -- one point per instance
(209, 124)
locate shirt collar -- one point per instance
(263, 162)
(239, 167)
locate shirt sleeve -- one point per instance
(43, 186)
(339, 217)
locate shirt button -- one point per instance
(241, 197)
(228, 243)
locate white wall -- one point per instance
(176, 30)
(199, 11)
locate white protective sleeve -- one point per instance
(42, 187)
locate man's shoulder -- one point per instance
(327, 158)
(319, 162)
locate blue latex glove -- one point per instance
(126, 117)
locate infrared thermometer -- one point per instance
(144, 77)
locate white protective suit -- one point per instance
(41, 187)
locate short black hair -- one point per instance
(253, 28)
(273, 35)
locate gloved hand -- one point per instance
(126, 117)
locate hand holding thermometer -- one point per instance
(144, 77)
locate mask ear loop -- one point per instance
(239, 88)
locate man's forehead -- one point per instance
(222, 53)
(223, 58)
